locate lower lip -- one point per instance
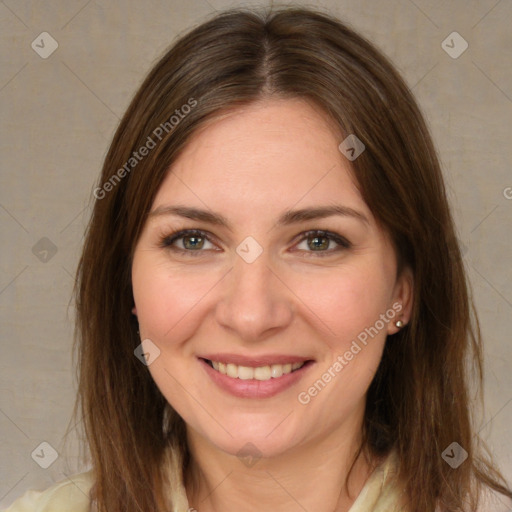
(253, 388)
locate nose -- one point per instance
(255, 303)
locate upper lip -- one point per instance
(255, 361)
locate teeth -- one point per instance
(273, 371)
(245, 372)
(276, 370)
(232, 370)
(262, 373)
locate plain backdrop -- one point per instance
(59, 112)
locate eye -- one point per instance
(188, 241)
(194, 242)
(322, 242)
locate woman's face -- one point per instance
(283, 265)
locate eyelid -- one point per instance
(342, 242)
(167, 241)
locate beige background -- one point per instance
(59, 114)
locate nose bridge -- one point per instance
(254, 301)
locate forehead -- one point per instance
(263, 158)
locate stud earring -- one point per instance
(399, 324)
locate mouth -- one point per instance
(260, 373)
(258, 378)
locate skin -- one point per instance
(250, 166)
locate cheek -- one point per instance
(168, 299)
(350, 302)
(169, 306)
(346, 300)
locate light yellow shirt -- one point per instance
(379, 494)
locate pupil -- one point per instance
(319, 242)
(193, 242)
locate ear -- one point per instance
(402, 300)
(134, 310)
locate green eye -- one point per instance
(192, 242)
(195, 242)
(318, 242)
(187, 241)
(322, 242)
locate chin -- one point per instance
(267, 438)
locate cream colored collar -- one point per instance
(379, 494)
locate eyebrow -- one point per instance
(287, 218)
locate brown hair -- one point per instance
(419, 400)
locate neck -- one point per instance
(311, 476)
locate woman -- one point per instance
(272, 306)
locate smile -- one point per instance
(267, 372)
(255, 377)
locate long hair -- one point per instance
(419, 401)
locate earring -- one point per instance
(399, 324)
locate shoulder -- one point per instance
(71, 493)
(493, 501)
(390, 494)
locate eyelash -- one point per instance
(167, 241)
